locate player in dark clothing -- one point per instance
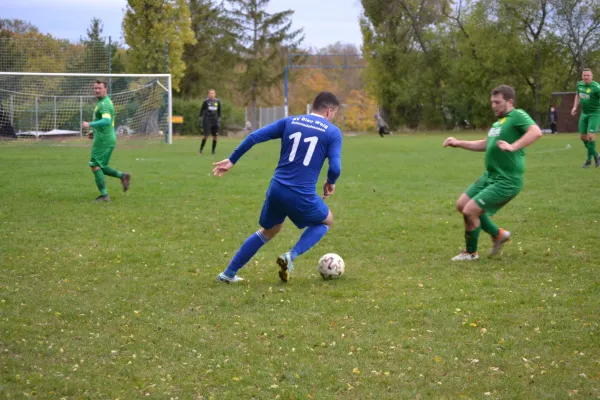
(210, 119)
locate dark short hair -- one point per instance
(587, 70)
(101, 82)
(507, 92)
(325, 100)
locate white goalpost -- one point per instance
(55, 104)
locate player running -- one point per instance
(505, 168)
(105, 141)
(588, 94)
(305, 143)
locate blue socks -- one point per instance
(248, 249)
(308, 239)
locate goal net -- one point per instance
(38, 105)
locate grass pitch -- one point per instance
(119, 300)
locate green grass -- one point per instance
(119, 300)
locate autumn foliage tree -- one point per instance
(153, 27)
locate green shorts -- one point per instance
(100, 156)
(589, 123)
(493, 194)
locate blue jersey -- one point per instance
(306, 141)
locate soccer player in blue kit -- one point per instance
(306, 141)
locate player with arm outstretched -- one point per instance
(306, 141)
(504, 150)
(105, 141)
(588, 95)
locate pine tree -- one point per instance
(263, 39)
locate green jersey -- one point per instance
(589, 97)
(504, 164)
(104, 136)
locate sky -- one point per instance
(324, 22)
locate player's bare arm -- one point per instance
(575, 104)
(533, 133)
(473, 145)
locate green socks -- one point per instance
(112, 172)
(592, 149)
(488, 225)
(587, 146)
(99, 175)
(471, 238)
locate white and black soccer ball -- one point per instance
(331, 266)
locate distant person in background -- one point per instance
(553, 118)
(248, 128)
(210, 119)
(381, 125)
(588, 95)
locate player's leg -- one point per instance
(592, 128)
(487, 225)
(101, 184)
(490, 200)
(311, 236)
(471, 213)
(214, 130)
(205, 133)
(583, 128)
(381, 131)
(246, 251)
(96, 162)
(204, 139)
(469, 254)
(313, 214)
(271, 220)
(125, 177)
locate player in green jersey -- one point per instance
(588, 95)
(105, 141)
(503, 178)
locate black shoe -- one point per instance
(105, 198)
(587, 164)
(125, 181)
(213, 153)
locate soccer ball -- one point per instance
(331, 266)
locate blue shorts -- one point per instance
(302, 210)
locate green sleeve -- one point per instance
(100, 122)
(104, 111)
(524, 121)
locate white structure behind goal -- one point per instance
(268, 115)
(55, 104)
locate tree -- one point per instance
(433, 61)
(12, 56)
(263, 40)
(531, 22)
(402, 44)
(577, 23)
(153, 27)
(211, 61)
(97, 53)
